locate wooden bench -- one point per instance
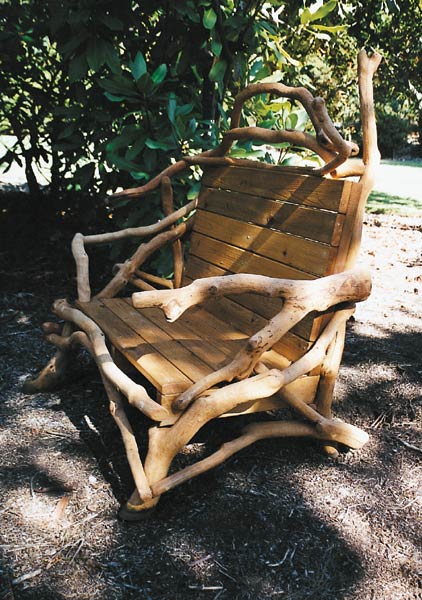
(270, 284)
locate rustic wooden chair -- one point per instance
(270, 274)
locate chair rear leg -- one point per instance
(328, 377)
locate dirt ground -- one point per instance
(277, 520)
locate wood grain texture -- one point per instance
(277, 184)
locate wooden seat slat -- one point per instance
(193, 334)
(158, 370)
(163, 343)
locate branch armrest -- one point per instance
(300, 299)
(316, 295)
(161, 238)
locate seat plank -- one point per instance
(167, 378)
(278, 184)
(290, 346)
(194, 334)
(266, 307)
(163, 343)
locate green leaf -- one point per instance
(156, 145)
(144, 83)
(138, 66)
(184, 110)
(217, 71)
(75, 41)
(171, 108)
(136, 148)
(119, 86)
(95, 55)
(159, 74)
(113, 98)
(216, 46)
(139, 175)
(330, 29)
(111, 57)
(291, 121)
(209, 19)
(78, 68)
(307, 16)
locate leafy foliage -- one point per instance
(106, 92)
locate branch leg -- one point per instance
(329, 371)
(54, 373)
(118, 413)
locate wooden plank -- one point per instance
(155, 367)
(179, 356)
(236, 260)
(342, 259)
(290, 346)
(220, 333)
(303, 254)
(321, 226)
(263, 306)
(192, 331)
(196, 268)
(307, 190)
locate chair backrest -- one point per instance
(275, 221)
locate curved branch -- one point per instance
(301, 298)
(82, 268)
(317, 294)
(271, 136)
(143, 252)
(146, 230)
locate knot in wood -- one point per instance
(254, 344)
(323, 138)
(213, 289)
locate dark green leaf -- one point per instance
(216, 45)
(217, 71)
(156, 145)
(138, 66)
(78, 68)
(113, 98)
(144, 83)
(209, 19)
(96, 54)
(171, 108)
(159, 74)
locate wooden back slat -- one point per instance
(273, 222)
(301, 253)
(287, 217)
(280, 184)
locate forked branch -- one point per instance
(300, 299)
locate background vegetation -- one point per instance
(105, 93)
